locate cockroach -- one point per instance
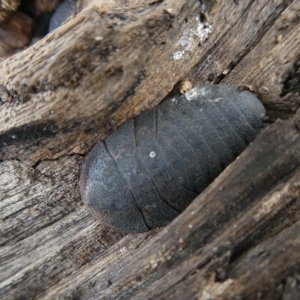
(152, 167)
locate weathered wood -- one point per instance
(84, 79)
(105, 65)
(83, 72)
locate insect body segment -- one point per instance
(152, 167)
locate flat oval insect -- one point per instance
(153, 166)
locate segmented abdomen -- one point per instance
(148, 170)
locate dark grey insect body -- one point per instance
(151, 168)
(62, 13)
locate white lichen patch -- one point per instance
(191, 37)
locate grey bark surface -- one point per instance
(105, 65)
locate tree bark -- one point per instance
(59, 97)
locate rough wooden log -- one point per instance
(84, 79)
(103, 66)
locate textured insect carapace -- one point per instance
(153, 166)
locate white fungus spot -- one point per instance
(196, 93)
(152, 154)
(192, 36)
(204, 29)
(98, 38)
(123, 249)
(190, 225)
(51, 111)
(192, 94)
(177, 55)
